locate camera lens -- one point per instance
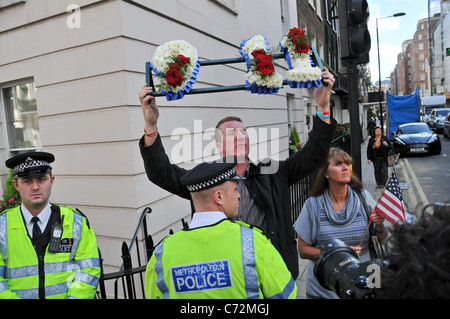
(338, 270)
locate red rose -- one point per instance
(174, 77)
(302, 48)
(264, 58)
(174, 65)
(256, 53)
(265, 68)
(182, 59)
(296, 32)
(297, 39)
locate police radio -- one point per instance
(55, 239)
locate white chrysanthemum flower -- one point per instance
(163, 56)
(258, 42)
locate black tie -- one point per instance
(36, 229)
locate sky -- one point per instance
(392, 31)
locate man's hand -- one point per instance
(322, 94)
(150, 111)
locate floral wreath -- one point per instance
(261, 77)
(302, 73)
(176, 65)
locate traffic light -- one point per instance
(355, 37)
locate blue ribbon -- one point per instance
(304, 85)
(254, 88)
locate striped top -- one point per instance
(319, 222)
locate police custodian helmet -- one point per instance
(30, 164)
(210, 174)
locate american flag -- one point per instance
(390, 205)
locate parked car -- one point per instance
(416, 138)
(446, 130)
(437, 117)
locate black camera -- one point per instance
(339, 269)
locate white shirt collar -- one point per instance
(44, 216)
(206, 218)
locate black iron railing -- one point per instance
(299, 194)
(125, 285)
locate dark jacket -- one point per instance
(269, 191)
(371, 152)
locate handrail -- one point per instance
(146, 211)
(127, 271)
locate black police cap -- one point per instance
(30, 164)
(210, 174)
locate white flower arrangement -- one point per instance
(261, 77)
(257, 42)
(301, 73)
(176, 65)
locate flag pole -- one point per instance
(382, 192)
(368, 225)
(390, 175)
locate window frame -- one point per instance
(9, 149)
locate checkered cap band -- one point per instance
(31, 164)
(213, 181)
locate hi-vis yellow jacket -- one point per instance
(225, 261)
(72, 272)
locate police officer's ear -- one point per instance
(218, 196)
(15, 183)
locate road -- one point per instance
(425, 178)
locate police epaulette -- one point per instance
(87, 220)
(259, 230)
(77, 211)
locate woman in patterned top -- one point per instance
(334, 211)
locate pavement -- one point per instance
(368, 179)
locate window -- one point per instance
(21, 117)
(316, 4)
(420, 46)
(421, 66)
(421, 57)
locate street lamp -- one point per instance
(379, 67)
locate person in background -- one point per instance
(377, 153)
(370, 126)
(335, 211)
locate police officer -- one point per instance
(46, 251)
(214, 257)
